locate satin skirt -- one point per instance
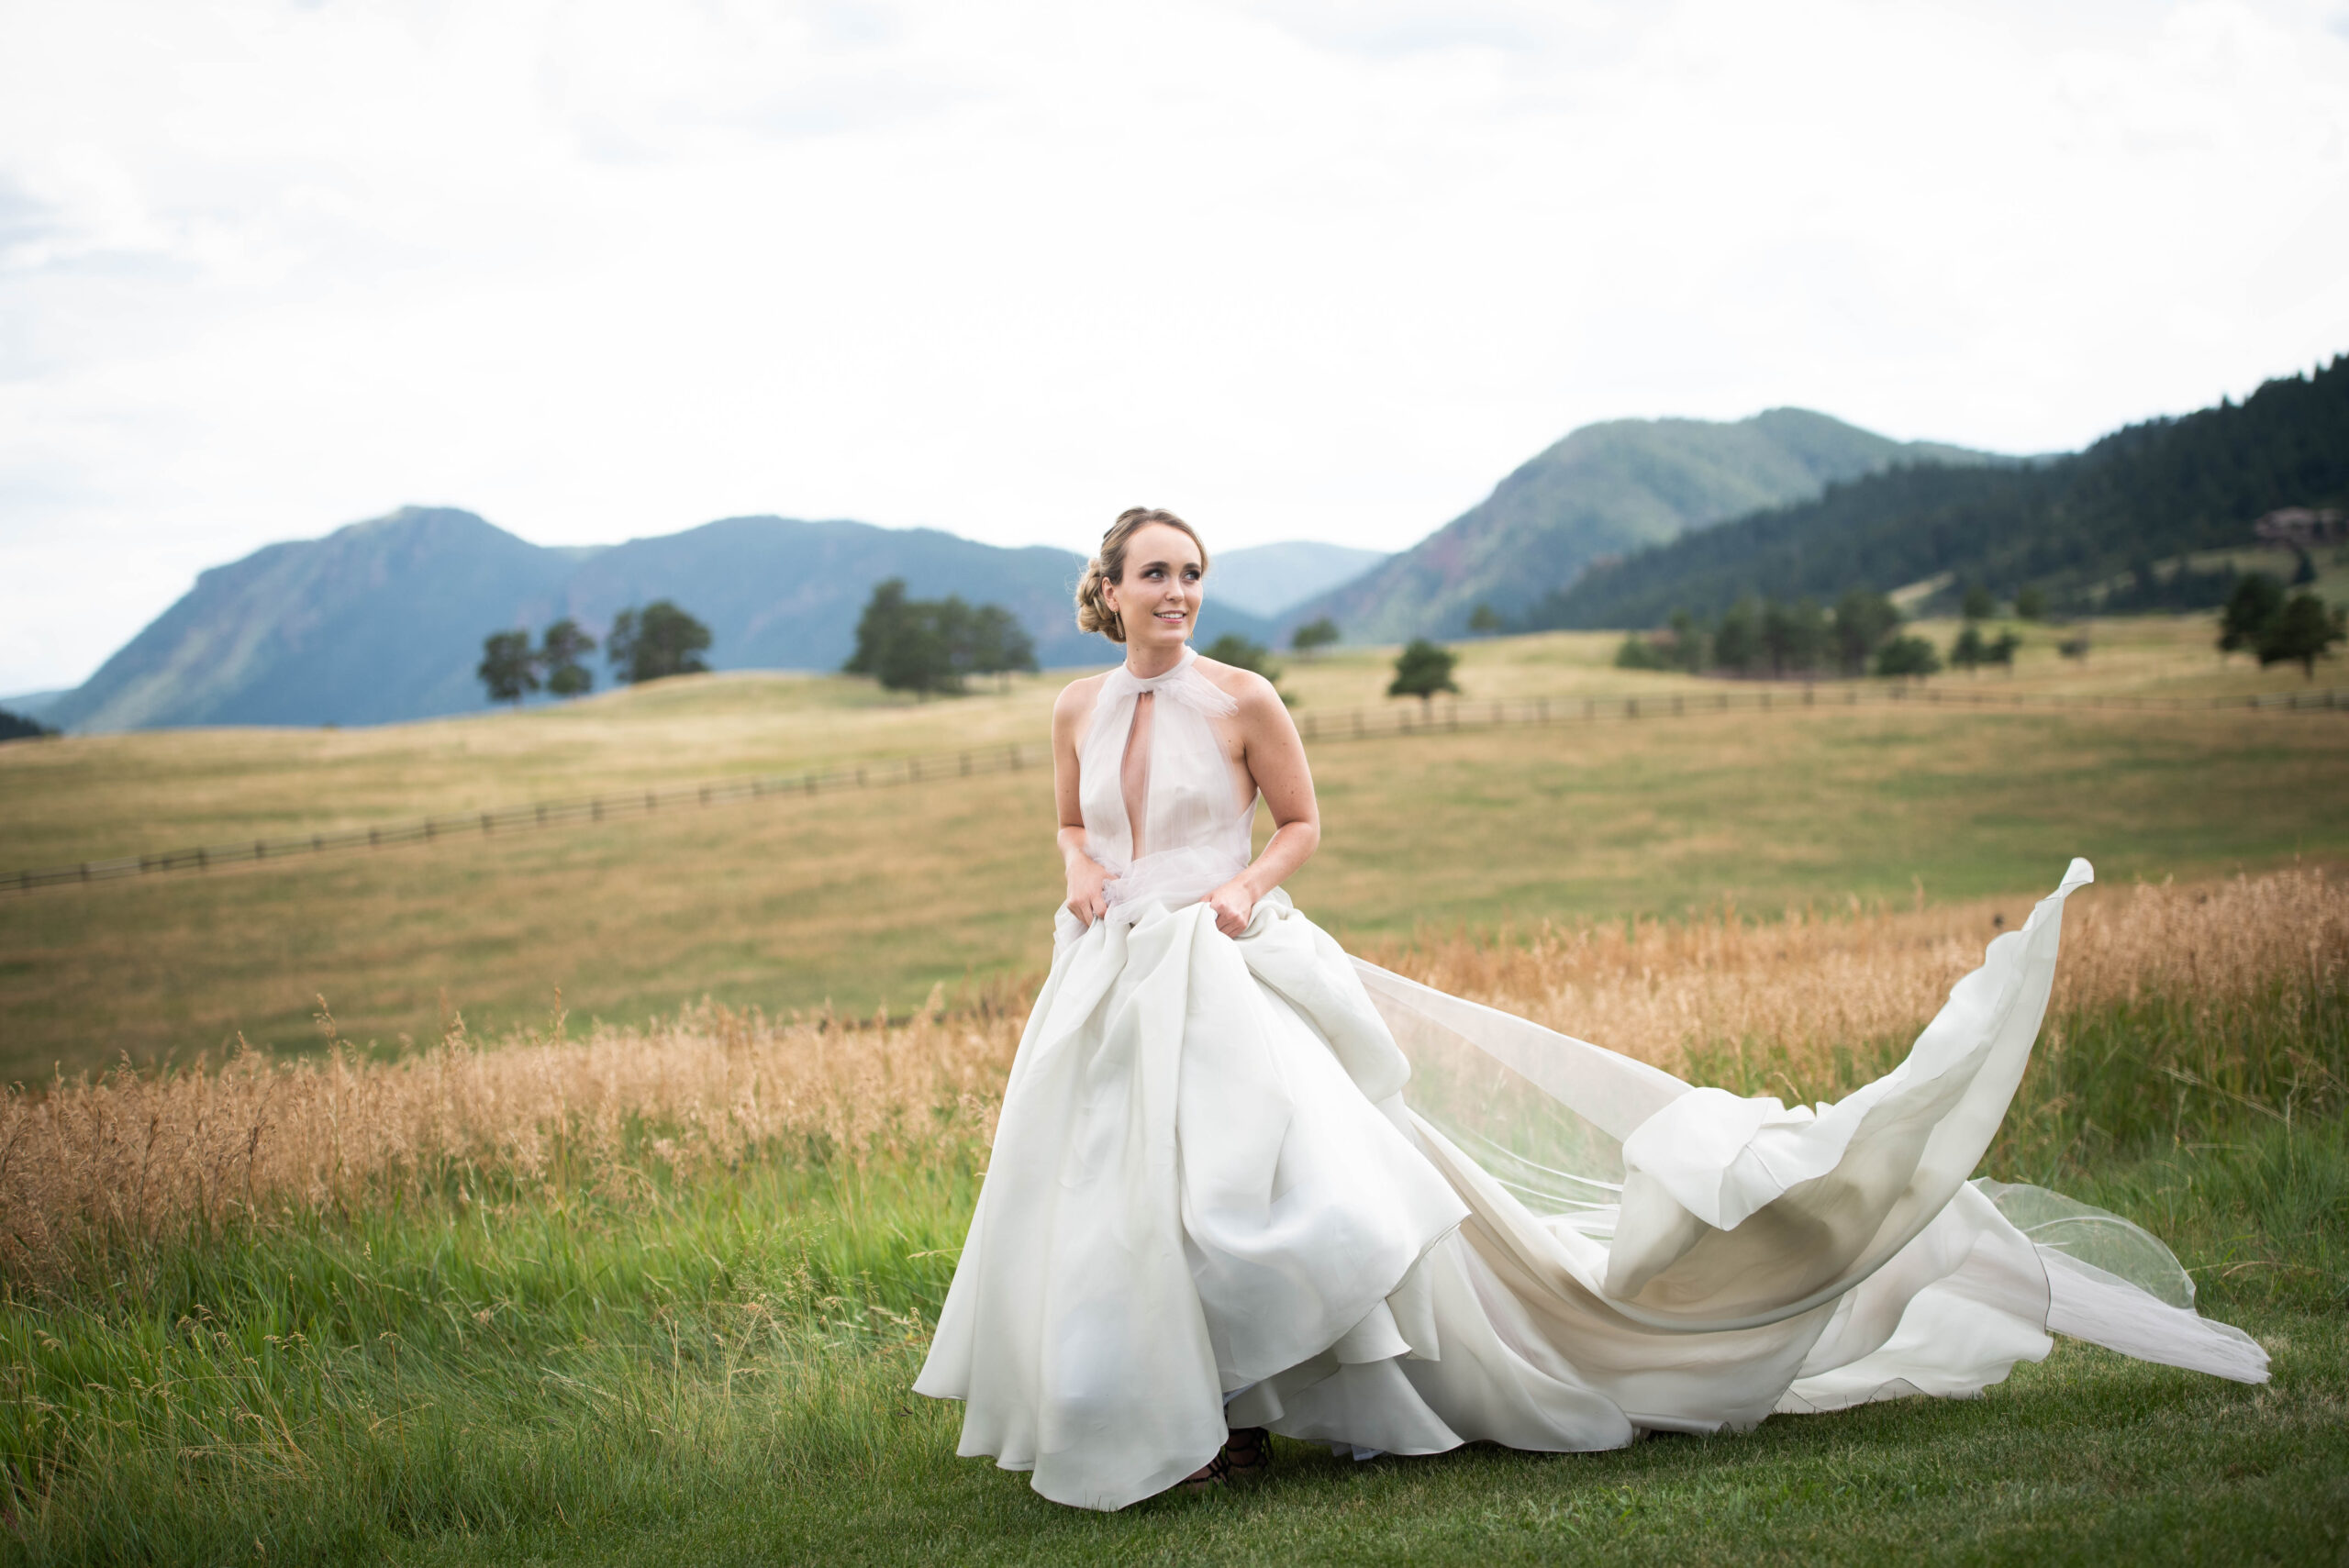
(1214, 1200)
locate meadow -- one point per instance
(797, 904)
(450, 1271)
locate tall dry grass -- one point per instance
(134, 1156)
(1815, 981)
(131, 1157)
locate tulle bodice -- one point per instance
(1194, 835)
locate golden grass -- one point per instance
(135, 1156)
(1818, 979)
(93, 798)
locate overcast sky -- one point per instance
(1295, 270)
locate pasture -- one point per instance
(866, 900)
(648, 1283)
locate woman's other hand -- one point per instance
(1233, 905)
(1086, 899)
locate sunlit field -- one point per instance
(448, 1269)
(866, 900)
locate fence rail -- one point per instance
(1361, 723)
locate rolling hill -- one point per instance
(1603, 489)
(384, 620)
(2145, 493)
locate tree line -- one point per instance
(1860, 635)
(932, 647)
(643, 645)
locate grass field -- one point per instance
(795, 904)
(653, 1289)
(527, 1306)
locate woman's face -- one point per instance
(1158, 597)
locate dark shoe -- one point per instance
(1215, 1473)
(1248, 1453)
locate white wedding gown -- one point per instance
(1210, 1201)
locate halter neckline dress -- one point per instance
(1252, 1182)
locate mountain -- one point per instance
(32, 705)
(381, 620)
(2145, 494)
(1603, 489)
(384, 620)
(1266, 579)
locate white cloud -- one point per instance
(1297, 269)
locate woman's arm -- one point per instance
(1086, 874)
(1275, 756)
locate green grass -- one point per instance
(718, 1372)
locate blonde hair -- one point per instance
(1108, 565)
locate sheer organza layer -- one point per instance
(1253, 1181)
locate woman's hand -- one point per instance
(1086, 899)
(1233, 903)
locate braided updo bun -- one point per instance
(1109, 566)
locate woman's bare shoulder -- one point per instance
(1078, 696)
(1246, 687)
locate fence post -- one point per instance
(203, 860)
(487, 824)
(427, 830)
(1630, 707)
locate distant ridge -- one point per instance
(1269, 578)
(1604, 490)
(382, 621)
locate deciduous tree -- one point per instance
(507, 669)
(1313, 636)
(1423, 669)
(561, 648)
(655, 642)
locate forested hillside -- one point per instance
(1604, 489)
(2145, 494)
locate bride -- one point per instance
(1242, 1182)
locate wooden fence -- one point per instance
(1353, 724)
